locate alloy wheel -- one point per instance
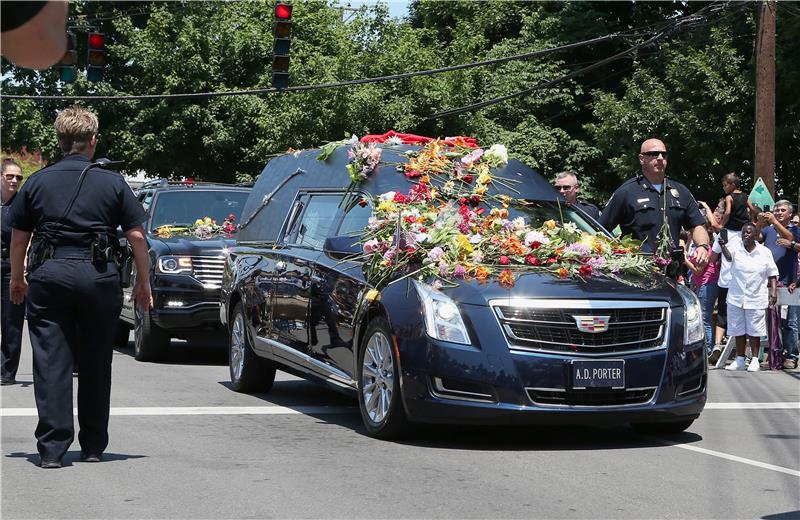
(377, 377)
(237, 347)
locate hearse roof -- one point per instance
(332, 174)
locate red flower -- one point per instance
(475, 199)
(532, 260)
(413, 173)
(462, 201)
(480, 211)
(399, 197)
(410, 219)
(362, 202)
(552, 260)
(467, 178)
(231, 217)
(536, 244)
(585, 270)
(504, 260)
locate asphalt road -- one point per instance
(183, 445)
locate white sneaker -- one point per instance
(754, 366)
(738, 364)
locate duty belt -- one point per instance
(72, 253)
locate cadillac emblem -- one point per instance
(592, 324)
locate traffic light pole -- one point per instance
(765, 95)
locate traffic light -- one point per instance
(96, 57)
(280, 48)
(67, 66)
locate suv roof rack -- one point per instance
(164, 183)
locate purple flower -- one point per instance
(389, 254)
(370, 246)
(596, 262)
(460, 271)
(577, 247)
(436, 254)
(442, 268)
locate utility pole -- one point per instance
(765, 95)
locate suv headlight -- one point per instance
(174, 265)
(693, 317)
(442, 318)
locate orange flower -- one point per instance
(425, 179)
(481, 274)
(562, 272)
(514, 246)
(506, 279)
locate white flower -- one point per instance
(353, 139)
(389, 195)
(422, 237)
(475, 238)
(477, 256)
(519, 223)
(394, 141)
(571, 227)
(535, 236)
(374, 223)
(497, 155)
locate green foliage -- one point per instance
(694, 90)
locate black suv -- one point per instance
(185, 269)
(551, 348)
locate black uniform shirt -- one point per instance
(105, 201)
(588, 208)
(636, 208)
(5, 223)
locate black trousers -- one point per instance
(12, 318)
(73, 309)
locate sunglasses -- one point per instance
(563, 188)
(656, 153)
(11, 177)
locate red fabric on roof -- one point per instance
(419, 139)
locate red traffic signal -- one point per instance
(283, 11)
(96, 57)
(97, 41)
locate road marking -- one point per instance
(780, 469)
(753, 406)
(202, 410)
(311, 410)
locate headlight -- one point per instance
(442, 318)
(693, 322)
(174, 265)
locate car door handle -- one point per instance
(280, 267)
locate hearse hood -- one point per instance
(550, 287)
(193, 246)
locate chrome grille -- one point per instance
(590, 398)
(208, 269)
(550, 326)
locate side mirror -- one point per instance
(342, 246)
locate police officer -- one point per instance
(637, 205)
(73, 209)
(12, 315)
(567, 184)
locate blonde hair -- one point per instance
(75, 127)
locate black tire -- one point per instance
(382, 408)
(663, 428)
(123, 335)
(249, 373)
(150, 343)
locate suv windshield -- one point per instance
(183, 208)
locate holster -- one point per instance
(40, 251)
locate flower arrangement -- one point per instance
(444, 228)
(203, 228)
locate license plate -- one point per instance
(608, 373)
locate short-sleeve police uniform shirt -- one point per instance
(104, 202)
(588, 208)
(636, 208)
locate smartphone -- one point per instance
(767, 208)
(723, 234)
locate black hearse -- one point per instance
(185, 270)
(292, 300)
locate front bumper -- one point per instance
(181, 303)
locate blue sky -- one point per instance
(397, 8)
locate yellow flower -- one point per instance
(462, 243)
(550, 224)
(484, 178)
(373, 295)
(387, 206)
(480, 190)
(198, 222)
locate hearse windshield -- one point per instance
(183, 208)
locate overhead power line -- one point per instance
(673, 26)
(338, 84)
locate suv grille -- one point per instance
(552, 326)
(593, 398)
(208, 269)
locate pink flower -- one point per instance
(370, 246)
(503, 260)
(460, 271)
(473, 156)
(436, 254)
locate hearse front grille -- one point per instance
(586, 327)
(590, 397)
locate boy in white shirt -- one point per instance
(753, 286)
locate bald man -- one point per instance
(636, 206)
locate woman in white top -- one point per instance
(753, 286)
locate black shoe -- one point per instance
(8, 381)
(91, 457)
(50, 464)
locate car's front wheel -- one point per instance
(150, 342)
(663, 428)
(249, 373)
(379, 396)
